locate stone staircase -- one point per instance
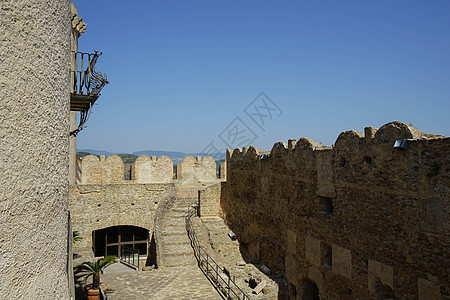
(176, 246)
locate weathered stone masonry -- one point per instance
(34, 151)
(110, 170)
(98, 206)
(104, 199)
(359, 220)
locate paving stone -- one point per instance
(169, 283)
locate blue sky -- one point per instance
(181, 71)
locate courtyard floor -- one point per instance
(170, 283)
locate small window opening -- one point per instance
(325, 206)
(326, 255)
(367, 160)
(292, 292)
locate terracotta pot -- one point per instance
(94, 294)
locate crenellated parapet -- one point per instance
(364, 218)
(110, 170)
(194, 170)
(152, 169)
(102, 170)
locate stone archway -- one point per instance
(112, 240)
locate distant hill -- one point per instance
(176, 157)
(128, 158)
(96, 152)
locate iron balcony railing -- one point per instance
(223, 283)
(86, 81)
(86, 84)
(130, 256)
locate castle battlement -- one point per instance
(367, 216)
(110, 170)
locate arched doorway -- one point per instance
(111, 240)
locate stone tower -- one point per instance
(34, 148)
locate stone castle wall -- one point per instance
(98, 206)
(110, 170)
(359, 220)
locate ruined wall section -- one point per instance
(98, 206)
(152, 170)
(359, 220)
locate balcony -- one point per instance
(86, 82)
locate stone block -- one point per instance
(312, 246)
(369, 132)
(315, 275)
(341, 261)
(325, 185)
(290, 266)
(428, 290)
(381, 272)
(291, 242)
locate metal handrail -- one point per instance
(128, 254)
(206, 263)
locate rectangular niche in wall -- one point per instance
(325, 206)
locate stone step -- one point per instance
(167, 231)
(174, 221)
(179, 209)
(177, 249)
(184, 204)
(174, 228)
(177, 215)
(180, 260)
(176, 239)
(187, 201)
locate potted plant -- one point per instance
(94, 269)
(76, 236)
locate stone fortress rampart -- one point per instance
(103, 198)
(362, 219)
(110, 170)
